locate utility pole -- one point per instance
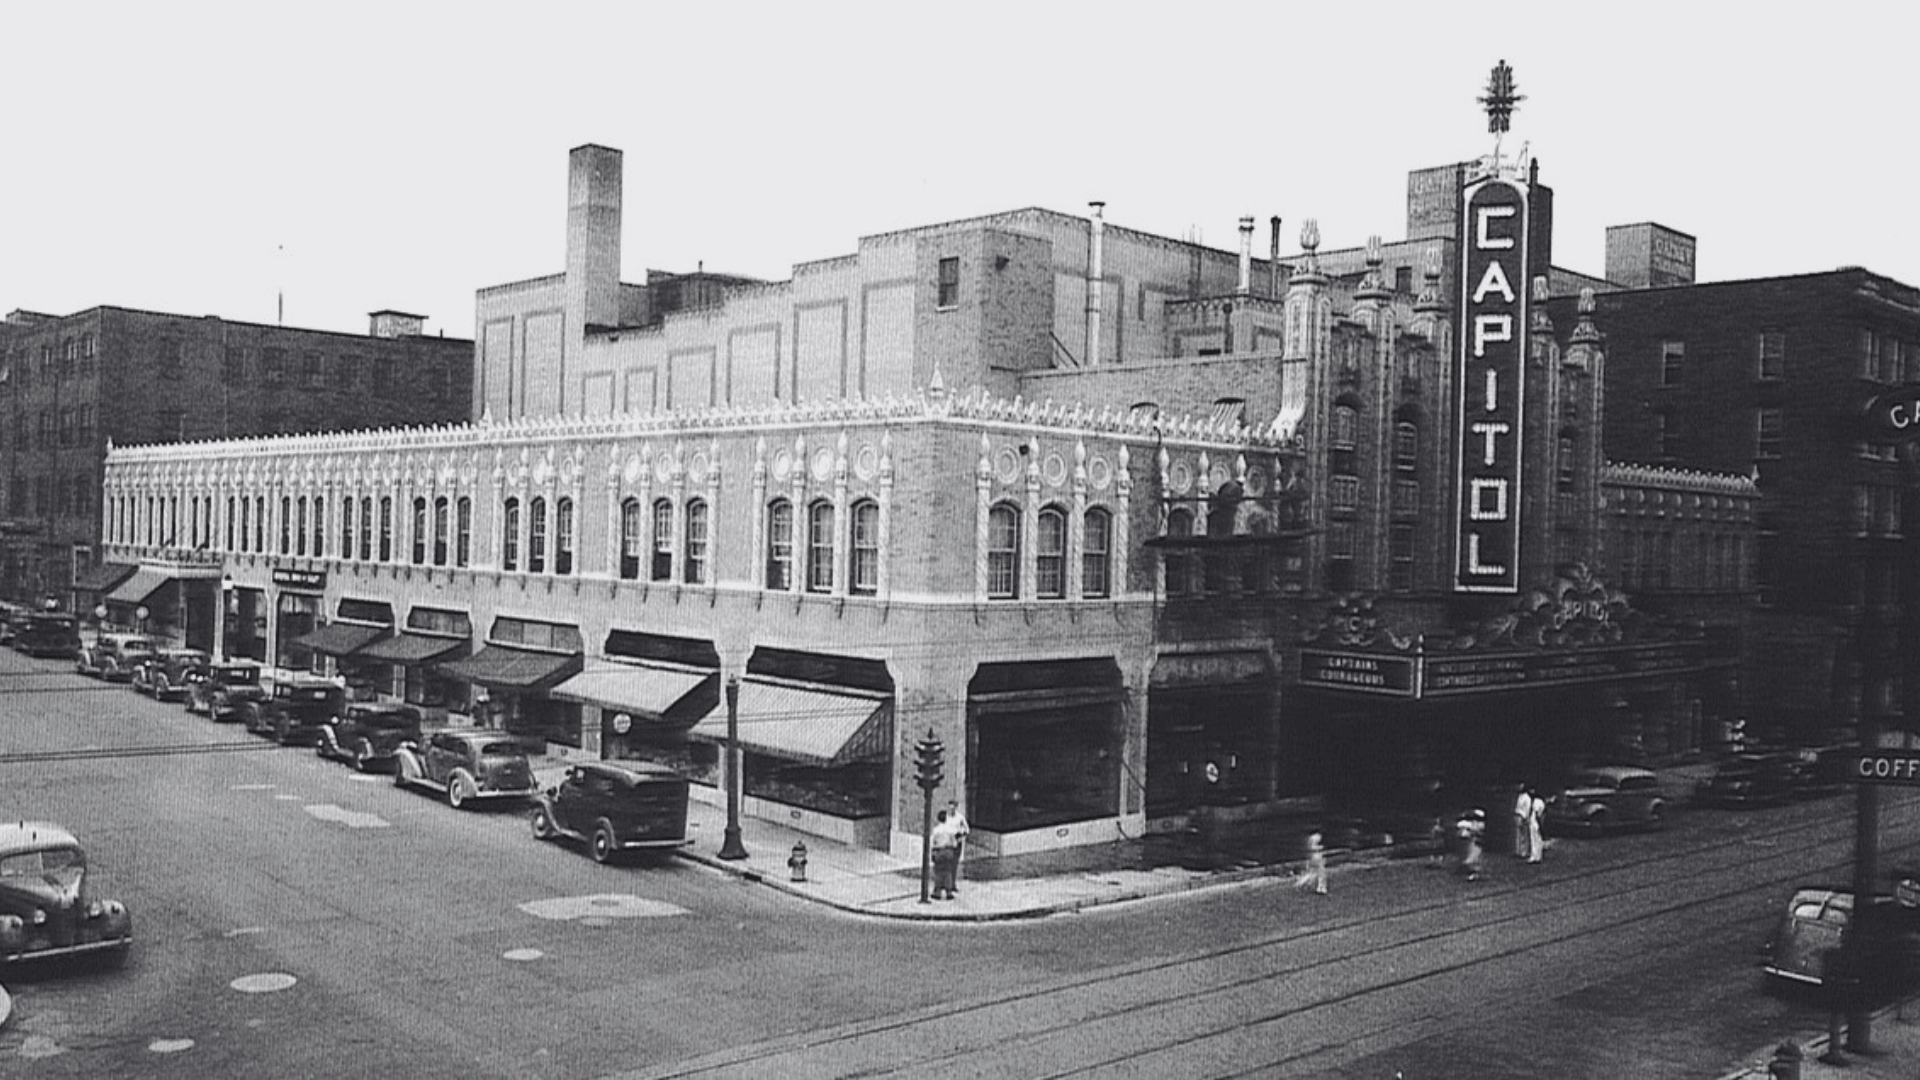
(730, 845)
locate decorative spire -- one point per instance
(1429, 298)
(1584, 332)
(1309, 245)
(1500, 99)
(1372, 286)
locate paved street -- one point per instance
(295, 918)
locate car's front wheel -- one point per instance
(543, 823)
(459, 790)
(604, 845)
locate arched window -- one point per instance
(1096, 550)
(1179, 561)
(820, 547)
(780, 546)
(1003, 553)
(319, 526)
(441, 509)
(563, 536)
(386, 528)
(537, 536)
(286, 523)
(346, 528)
(696, 561)
(1050, 554)
(630, 539)
(1406, 446)
(419, 530)
(865, 580)
(366, 528)
(463, 542)
(510, 535)
(662, 567)
(246, 525)
(1346, 427)
(230, 530)
(260, 523)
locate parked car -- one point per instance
(45, 908)
(1823, 770)
(369, 733)
(1751, 779)
(163, 674)
(467, 764)
(224, 689)
(297, 711)
(12, 617)
(1805, 945)
(48, 633)
(615, 806)
(1605, 798)
(114, 656)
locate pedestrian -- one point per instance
(1468, 833)
(945, 844)
(1315, 874)
(1522, 810)
(1536, 813)
(960, 831)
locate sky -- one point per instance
(312, 163)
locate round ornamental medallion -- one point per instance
(663, 467)
(1054, 470)
(1181, 477)
(823, 465)
(1099, 473)
(1217, 475)
(634, 470)
(866, 463)
(542, 471)
(1256, 482)
(697, 468)
(782, 465)
(1006, 465)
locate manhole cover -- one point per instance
(265, 983)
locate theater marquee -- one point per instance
(1493, 339)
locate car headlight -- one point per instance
(39, 916)
(94, 910)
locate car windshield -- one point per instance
(386, 720)
(245, 676)
(501, 749)
(60, 867)
(1639, 783)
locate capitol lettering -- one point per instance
(1493, 279)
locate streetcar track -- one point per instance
(29, 757)
(1730, 852)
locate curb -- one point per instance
(1811, 1046)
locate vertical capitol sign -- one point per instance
(1491, 377)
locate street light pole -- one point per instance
(730, 845)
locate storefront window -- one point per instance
(1032, 769)
(849, 791)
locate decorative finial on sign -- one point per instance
(1500, 100)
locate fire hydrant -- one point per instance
(797, 862)
(1786, 1062)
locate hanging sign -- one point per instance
(1489, 372)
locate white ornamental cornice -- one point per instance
(1630, 474)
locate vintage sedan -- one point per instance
(467, 764)
(45, 908)
(1606, 798)
(1750, 779)
(369, 734)
(1805, 945)
(163, 675)
(616, 806)
(225, 689)
(297, 711)
(48, 634)
(114, 656)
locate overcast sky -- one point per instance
(202, 158)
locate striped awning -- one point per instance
(809, 724)
(140, 587)
(633, 688)
(513, 669)
(411, 649)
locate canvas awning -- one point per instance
(631, 688)
(513, 669)
(140, 587)
(411, 649)
(339, 638)
(811, 725)
(103, 577)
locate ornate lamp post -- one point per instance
(730, 845)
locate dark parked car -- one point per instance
(225, 690)
(467, 764)
(369, 734)
(48, 633)
(114, 656)
(163, 674)
(298, 710)
(12, 618)
(1805, 945)
(1751, 779)
(1605, 798)
(45, 909)
(616, 806)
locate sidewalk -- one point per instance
(1896, 1045)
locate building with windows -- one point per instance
(1770, 377)
(72, 385)
(1145, 533)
